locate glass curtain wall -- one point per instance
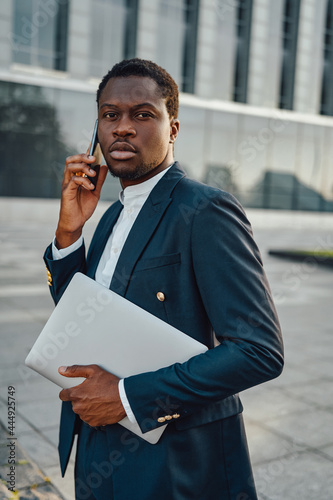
(267, 162)
(177, 40)
(39, 35)
(113, 33)
(327, 82)
(243, 33)
(289, 43)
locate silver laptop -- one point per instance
(93, 325)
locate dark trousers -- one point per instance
(210, 462)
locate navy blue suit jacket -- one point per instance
(193, 243)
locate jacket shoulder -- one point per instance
(198, 199)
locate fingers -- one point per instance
(85, 371)
(82, 159)
(77, 168)
(69, 394)
(64, 395)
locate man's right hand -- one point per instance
(78, 198)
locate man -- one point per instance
(184, 252)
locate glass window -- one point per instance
(190, 146)
(191, 10)
(327, 83)
(254, 142)
(289, 43)
(312, 156)
(220, 151)
(39, 128)
(243, 33)
(177, 40)
(113, 33)
(39, 35)
(30, 139)
(327, 177)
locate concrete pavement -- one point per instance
(289, 421)
(21, 478)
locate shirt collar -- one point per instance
(141, 190)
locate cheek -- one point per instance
(159, 139)
(103, 138)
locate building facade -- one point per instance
(256, 82)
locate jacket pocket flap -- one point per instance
(163, 260)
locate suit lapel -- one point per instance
(102, 235)
(144, 227)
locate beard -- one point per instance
(140, 171)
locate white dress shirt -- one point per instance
(133, 199)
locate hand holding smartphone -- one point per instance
(95, 150)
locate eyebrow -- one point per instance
(142, 104)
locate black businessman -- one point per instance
(184, 252)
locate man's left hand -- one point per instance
(96, 400)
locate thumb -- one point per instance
(76, 371)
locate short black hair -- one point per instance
(143, 67)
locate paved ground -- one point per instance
(289, 421)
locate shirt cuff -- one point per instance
(58, 254)
(124, 400)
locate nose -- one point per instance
(124, 127)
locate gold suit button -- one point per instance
(161, 420)
(168, 417)
(49, 275)
(160, 296)
(176, 415)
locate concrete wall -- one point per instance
(265, 53)
(79, 33)
(147, 29)
(216, 50)
(215, 64)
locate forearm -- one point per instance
(210, 377)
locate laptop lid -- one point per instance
(93, 325)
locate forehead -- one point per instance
(131, 90)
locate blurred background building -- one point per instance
(256, 82)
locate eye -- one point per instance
(144, 114)
(109, 114)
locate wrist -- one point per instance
(64, 239)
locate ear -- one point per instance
(174, 129)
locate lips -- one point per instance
(122, 151)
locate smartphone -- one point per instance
(95, 150)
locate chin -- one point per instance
(121, 171)
(125, 172)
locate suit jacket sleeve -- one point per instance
(238, 302)
(63, 270)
